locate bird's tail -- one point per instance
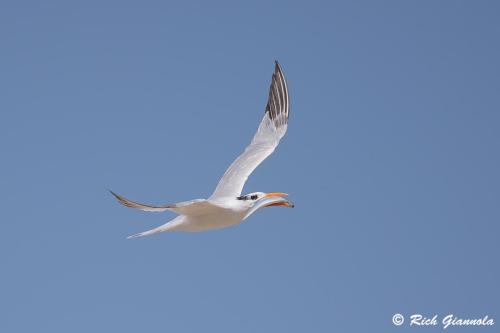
(169, 226)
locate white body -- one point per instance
(215, 217)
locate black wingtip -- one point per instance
(277, 65)
(117, 196)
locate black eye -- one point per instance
(254, 197)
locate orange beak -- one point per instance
(286, 204)
(275, 194)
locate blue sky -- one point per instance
(391, 158)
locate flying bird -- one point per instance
(227, 206)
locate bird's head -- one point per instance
(257, 196)
(257, 200)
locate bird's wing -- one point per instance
(272, 128)
(189, 208)
(132, 204)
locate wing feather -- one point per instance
(271, 129)
(132, 204)
(190, 208)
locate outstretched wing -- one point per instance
(132, 204)
(272, 128)
(190, 208)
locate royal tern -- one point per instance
(226, 206)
